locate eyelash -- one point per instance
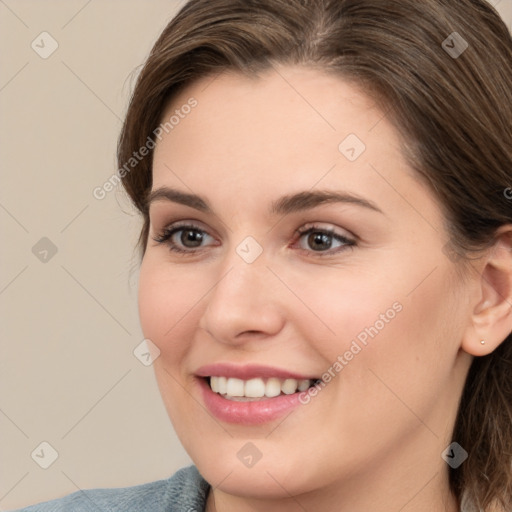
(167, 233)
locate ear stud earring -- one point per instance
(483, 342)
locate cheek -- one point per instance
(167, 300)
(393, 322)
(336, 308)
(406, 364)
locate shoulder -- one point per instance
(185, 491)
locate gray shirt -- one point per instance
(185, 491)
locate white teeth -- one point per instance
(235, 387)
(257, 388)
(289, 386)
(222, 384)
(272, 388)
(303, 385)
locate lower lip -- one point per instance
(247, 413)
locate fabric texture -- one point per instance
(185, 491)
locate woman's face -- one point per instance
(310, 251)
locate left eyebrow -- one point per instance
(285, 205)
(307, 200)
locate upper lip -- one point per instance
(248, 371)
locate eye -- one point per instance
(189, 238)
(184, 238)
(323, 241)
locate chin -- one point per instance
(259, 482)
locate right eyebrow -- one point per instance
(176, 196)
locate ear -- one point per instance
(491, 320)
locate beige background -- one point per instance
(68, 375)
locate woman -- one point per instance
(326, 273)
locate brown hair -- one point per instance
(454, 113)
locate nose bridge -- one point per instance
(243, 298)
(244, 271)
(243, 284)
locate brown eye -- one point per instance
(323, 241)
(319, 241)
(191, 237)
(184, 238)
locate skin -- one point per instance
(372, 438)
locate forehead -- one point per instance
(290, 127)
(279, 98)
(248, 142)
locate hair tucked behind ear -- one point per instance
(454, 113)
(484, 427)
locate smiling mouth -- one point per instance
(256, 389)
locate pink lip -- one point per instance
(249, 371)
(247, 413)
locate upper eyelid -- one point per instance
(179, 224)
(330, 229)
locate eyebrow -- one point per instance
(285, 205)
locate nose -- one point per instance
(244, 304)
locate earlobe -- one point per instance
(491, 320)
